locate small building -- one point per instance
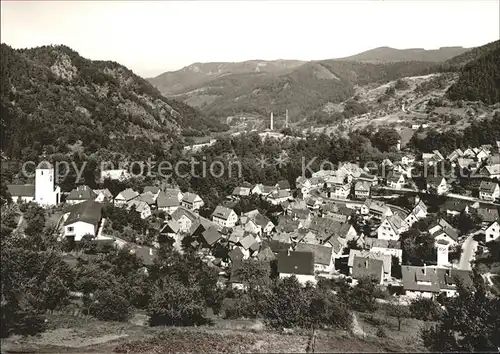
(362, 190)
(154, 190)
(389, 247)
(396, 180)
(420, 281)
(492, 232)
(103, 195)
(299, 264)
(418, 212)
(324, 261)
(168, 202)
(278, 197)
(385, 258)
(21, 193)
(185, 218)
(192, 201)
(83, 219)
(438, 183)
(224, 217)
(125, 196)
(141, 207)
(391, 227)
(365, 267)
(491, 171)
(241, 192)
(448, 279)
(116, 174)
(80, 194)
(283, 185)
(489, 191)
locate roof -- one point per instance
(420, 279)
(395, 221)
(222, 212)
(179, 212)
(21, 190)
(283, 184)
(138, 204)
(266, 255)
(367, 267)
(300, 214)
(82, 193)
(488, 213)
(171, 225)
(241, 191)
(488, 187)
(362, 186)
(280, 194)
(152, 189)
(448, 278)
(293, 262)
(190, 197)
(385, 258)
(236, 254)
(147, 197)
(165, 200)
(322, 254)
(106, 192)
(88, 212)
(260, 220)
(435, 180)
(247, 241)
(493, 169)
(375, 242)
(128, 194)
(211, 236)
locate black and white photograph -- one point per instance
(250, 176)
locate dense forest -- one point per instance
(51, 98)
(479, 79)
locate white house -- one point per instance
(341, 191)
(44, 191)
(444, 233)
(418, 212)
(83, 219)
(224, 217)
(260, 224)
(367, 267)
(489, 190)
(408, 159)
(492, 232)
(117, 174)
(278, 197)
(141, 207)
(362, 189)
(385, 258)
(420, 281)
(439, 183)
(491, 171)
(185, 218)
(103, 195)
(324, 261)
(391, 227)
(192, 201)
(396, 180)
(168, 202)
(125, 196)
(300, 264)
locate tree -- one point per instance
(109, 305)
(362, 296)
(425, 309)
(396, 309)
(385, 138)
(470, 322)
(255, 275)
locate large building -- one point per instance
(43, 192)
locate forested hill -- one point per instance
(480, 78)
(52, 99)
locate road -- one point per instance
(469, 248)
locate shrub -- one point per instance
(425, 309)
(109, 306)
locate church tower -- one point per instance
(44, 184)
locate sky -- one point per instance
(153, 37)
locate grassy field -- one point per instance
(73, 334)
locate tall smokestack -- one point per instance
(271, 120)
(286, 119)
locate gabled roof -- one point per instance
(82, 193)
(260, 220)
(420, 279)
(190, 197)
(266, 255)
(165, 200)
(21, 190)
(179, 212)
(241, 191)
(128, 194)
(105, 192)
(171, 226)
(448, 278)
(322, 254)
(152, 189)
(435, 180)
(211, 236)
(395, 221)
(488, 187)
(367, 267)
(138, 204)
(283, 184)
(385, 258)
(375, 242)
(488, 213)
(247, 241)
(222, 212)
(236, 254)
(362, 186)
(299, 263)
(147, 197)
(88, 212)
(300, 214)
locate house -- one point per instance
(362, 190)
(391, 227)
(116, 174)
(149, 198)
(420, 281)
(262, 222)
(487, 213)
(210, 237)
(170, 229)
(448, 278)
(464, 162)
(241, 192)
(396, 180)
(363, 267)
(489, 191)
(455, 206)
(299, 264)
(408, 159)
(154, 190)
(481, 154)
(83, 219)
(125, 196)
(224, 217)
(392, 248)
(305, 185)
(192, 201)
(418, 212)
(341, 191)
(283, 185)
(438, 183)
(366, 177)
(168, 202)
(338, 212)
(185, 218)
(455, 154)
(103, 195)
(492, 232)
(385, 258)
(80, 194)
(279, 196)
(266, 254)
(443, 231)
(313, 203)
(490, 171)
(24, 193)
(261, 189)
(324, 261)
(141, 207)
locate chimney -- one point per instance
(271, 120)
(286, 119)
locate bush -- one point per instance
(109, 306)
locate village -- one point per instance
(335, 224)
